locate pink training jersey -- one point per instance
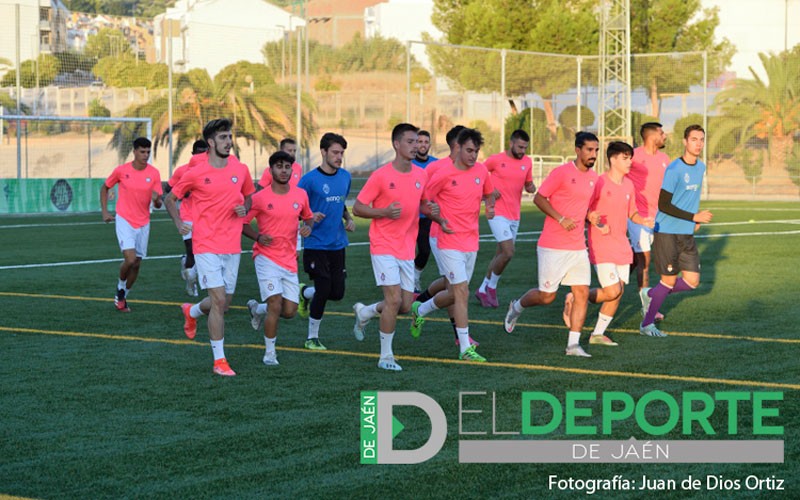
(569, 191)
(647, 174)
(297, 173)
(430, 170)
(215, 193)
(459, 194)
(135, 192)
(509, 177)
(186, 203)
(615, 203)
(395, 237)
(277, 216)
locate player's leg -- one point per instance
(423, 251)
(610, 297)
(392, 302)
(551, 270)
(666, 255)
(505, 232)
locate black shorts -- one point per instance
(673, 253)
(324, 264)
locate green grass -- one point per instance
(100, 404)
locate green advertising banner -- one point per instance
(30, 196)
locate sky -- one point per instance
(755, 26)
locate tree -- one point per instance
(262, 111)
(547, 26)
(41, 71)
(108, 42)
(126, 71)
(674, 26)
(763, 109)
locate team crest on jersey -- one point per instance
(147, 179)
(326, 188)
(522, 167)
(383, 277)
(591, 183)
(669, 268)
(547, 284)
(628, 197)
(477, 180)
(295, 205)
(418, 185)
(270, 286)
(686, 178)
(234, 179)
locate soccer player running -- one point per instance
(221, 187)
(561, 251)
(188, 268)
(647, 173)
(327, 188)
(289, 146)
(612, 205)
(459, 190)
(277, 210)
(512, 172)
(679, 215)
(422, 160)
(139, 185)
(391, 197)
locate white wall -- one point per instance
(404, 20)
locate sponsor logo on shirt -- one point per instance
(207, 181)
(234, 179)
(269, 206)
(333, 199)
(392, 186)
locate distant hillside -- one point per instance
(140, 8)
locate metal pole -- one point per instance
(19, 97)
(408, 81)
(305, 36)
(169, 98)
(89, 137)
(785, 25)
(705, 117)
(298, 130)
(503, 97)
(578, 94)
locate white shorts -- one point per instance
(273, 280)
(562, 267)
(218, 270)
(391, 271)
(434, 242)
(641, 237)
(503, 229)
(132, 239)
(189, 235)
(458, 266)
(610, 274)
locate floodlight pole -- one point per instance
(299, 89)
(502, 98)
(169, 98)
(19, 95)
(408, 82)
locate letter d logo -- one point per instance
(379, 427)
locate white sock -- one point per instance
(386, 344)
(127, 291)
(370, 311)
(426, 307)
(313, 328)
(308, 293)
(195, 311)
(574, 338)
(493, 280)
(417, 274)
(121, 284)
(261, 308)
(517, 307)
(192, 273)
(482, 288)
(270, 343)
(217, 347)
(602, 324)
(463, 339)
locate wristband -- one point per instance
(561, 219)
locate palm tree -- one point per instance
(763, 110)
(262, 111)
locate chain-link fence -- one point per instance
(360, 89)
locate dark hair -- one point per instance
(470, 134)
(617, 148)
(425, 133)
(520, 134)
(649, 127)
(582, 138)
(452, 135)
(199, 146)
(280, 156)
(329, 138)
(287, 140)
(692, 128)
(141, 142)
(402, 128)
(214, 126)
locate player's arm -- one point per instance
(107, 217)
(665, 205)
(367, 212)
(171, 204)
(530, 187)
(157, 199)
(349, 223)
(642, 221)
(546, 207)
